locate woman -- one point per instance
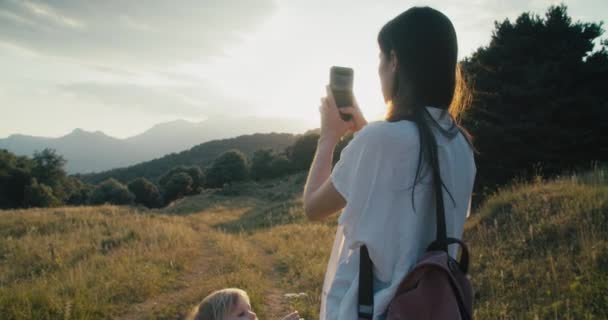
(382, 180)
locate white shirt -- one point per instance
(375, 174)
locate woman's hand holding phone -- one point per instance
(357, 119)
(332, 126)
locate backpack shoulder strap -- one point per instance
(366, 297)
(441, 241)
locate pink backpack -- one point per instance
(437, 288)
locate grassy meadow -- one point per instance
(539, 251)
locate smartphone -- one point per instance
(341, 84)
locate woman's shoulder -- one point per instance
(384, 132)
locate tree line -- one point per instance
(201, 155)
(41, 181)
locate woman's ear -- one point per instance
(394, 63)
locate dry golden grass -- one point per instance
(300, 253)
(108, 261)
(88, 262)
(540, 251)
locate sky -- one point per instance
(122, 66)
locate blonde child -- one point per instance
(228, 304)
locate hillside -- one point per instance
(539, 251)
(200, 155)
(87, 152)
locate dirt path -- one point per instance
(194, 282)
(275, 303)
(176, 301)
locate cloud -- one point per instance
(193, 101)
(114, 32)
(115, 55)
(44, 11)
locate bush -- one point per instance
(40, 175)
(230, 166)
(12, 186)
(179, 185)
(39, 195)
(301, 153)
(195, 172)
(279, 166)
(266, 164)
(145, 192)
(111, 191)
(260, 164)
(78, 191)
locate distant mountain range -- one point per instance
(201, 155)
(87, 152)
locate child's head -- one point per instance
(225, 304)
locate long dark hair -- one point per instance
(424, 42)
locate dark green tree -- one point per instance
(195, 172)
(48, 167)
(279, 166)
(267, 164)
(198, 178)
(540, 99)
(261, 164)
(39, 195)
(301, 153)
(145, 192)
(228, 167)
(111, 191)
(15, 175)
(78, 191)
(12, 187)
(21, 181)
(179, 185)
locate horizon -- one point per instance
(155, 125)
(120, 68)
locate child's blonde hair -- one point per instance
(218, 304)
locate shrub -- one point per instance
(179, 185)
(301, 153)
(111, 191)
(230, 166)
(146, 193)
(195, 172)
(39, 195)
